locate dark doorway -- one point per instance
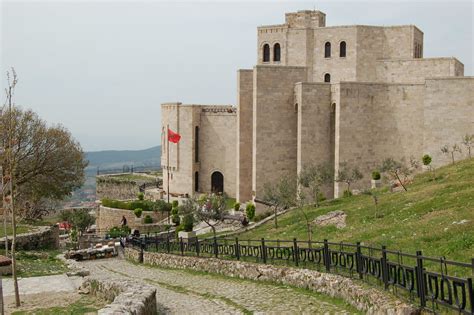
(217, 182)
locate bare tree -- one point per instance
(315, 177)
(468, 141)
(280, 195)
(451, 150)
(394, 169)
(348, 175)
(211, 209)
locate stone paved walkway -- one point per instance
(182, 292)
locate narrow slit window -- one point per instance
(276, 52)
(266, 53)
(327, 50)
(342, 49)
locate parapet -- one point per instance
(305, 19)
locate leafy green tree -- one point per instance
(80, 219)
(280, 195)
(315, 177)
(210, 209)
(426, 159)
(138, 212)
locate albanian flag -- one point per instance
(173, 136)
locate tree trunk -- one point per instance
(452, 156)
(213, 230)
(14, 275)
(276, 218)
(400, 181)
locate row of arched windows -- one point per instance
(276, 52)
(327, 49)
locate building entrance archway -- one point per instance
(217, 182)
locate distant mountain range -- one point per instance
(111, 159)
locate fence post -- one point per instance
(384, 267)
(140, 257)
(146, 241)
(327, 257)
(168, 249)
(156, 241)
(421, 278)
(181, 246)
(359, 261)
(216, 250)
(264, 254)
(471, 293)
(296, 252)
(237, 248)
(197, 246)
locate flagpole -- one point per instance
(168, 166)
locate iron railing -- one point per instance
(418, 277)
(128, 169)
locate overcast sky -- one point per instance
(102, 68)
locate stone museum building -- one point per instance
(352, 94)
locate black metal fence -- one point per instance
(128, 169)
(421, 278)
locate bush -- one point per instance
(176, 219)
(376, 175)
(321, 196)
(250, 211)
(141, 196)
(145, 205)
(188, 222)
(119, 231)
(426, 159)
(237, 206)
(175, 204)
(138, 212)
(148, 219)
(261, 216)
(347, 193)
(174, 211)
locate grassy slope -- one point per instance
(420, 219)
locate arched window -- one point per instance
(217, 182)
(342, 49)
(327, 78)
(266, 53)
(327, 50)
(276, 52)
(196, 181)
(196, 144)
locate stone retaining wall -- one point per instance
(42, 237)
(107, 218)
(368, 300)
(126, 296)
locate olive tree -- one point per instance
(451, 150)
(348, 175)
(315, 177)
(280, 195)
(468, 142)
(210, 209)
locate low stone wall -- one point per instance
(107, 218)
(116, 190)
(368, 300)
(42, 237)
(126, 296)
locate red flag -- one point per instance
(173, 136)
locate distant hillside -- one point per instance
(119, 158)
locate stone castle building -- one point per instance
(340, 94)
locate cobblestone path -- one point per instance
(187, 292)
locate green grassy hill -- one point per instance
(426, 217)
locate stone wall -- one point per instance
(274, 124)
(126, 297)
(244, 135)
(116, 190)
(368, 300)
(107, 218)
(42, 237)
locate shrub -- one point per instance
(188, 222)
(261, 216)
(376, 175)
(179, 229)
(237, 206)
(148, 219)
(347, 193)
(174, 211)
(426, 159)
(176, 219)
(321, 196)
(250, 211)
(175, 204)
(119, 231)
(141, 196)
(138, 212)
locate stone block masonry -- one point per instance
(43, 237)
(368, 300)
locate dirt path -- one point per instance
(183, 292)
